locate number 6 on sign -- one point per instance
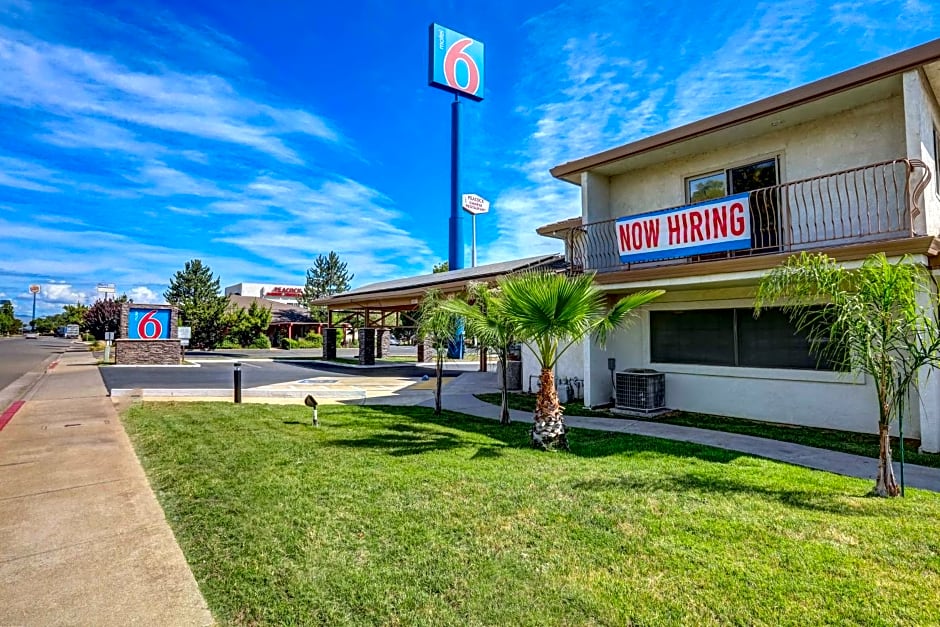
(148, 324)
(149, 328)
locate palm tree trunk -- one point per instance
(437, 389)
(885, 484)
(504, 399)
(549, 431)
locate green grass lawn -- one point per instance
(394, 516)
(842, 441)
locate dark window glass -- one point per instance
(693, 337)
(771, 341)
(764, 204)
(731, 337)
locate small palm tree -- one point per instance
(439, 326)
(487, 321)
(550, 314)
(871, 321)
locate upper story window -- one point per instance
(702, 188)
(744, 178)
(740, 179)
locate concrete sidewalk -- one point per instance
(459, 397)
(83, 540)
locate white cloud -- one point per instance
(341, 214)
(145, 295)
(62, 294)
(766, 54)
(80, 84)
(26, 175)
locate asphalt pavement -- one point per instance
(19, 355)
(218, 374)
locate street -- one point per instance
(19, 356)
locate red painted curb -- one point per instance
(52, 365)
(7, 415)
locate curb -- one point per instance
(145, 393)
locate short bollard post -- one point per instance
(238, 382)
(312, 403)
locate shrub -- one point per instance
(314, 340)
(88, 337)
(288, 344)
(261, 341)
(229, 343)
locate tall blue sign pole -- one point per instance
(455, 239)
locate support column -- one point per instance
(366, 347)
(925, 405)
(329, 342)
(382, 342)
(425, 350)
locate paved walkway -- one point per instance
(83, 540)
(459, 396)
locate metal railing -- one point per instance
(870, 203)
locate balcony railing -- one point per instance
(874, 202)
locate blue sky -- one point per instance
(135, 136)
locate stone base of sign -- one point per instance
(147, 352)
(366, 347)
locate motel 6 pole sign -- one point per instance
(455, 64)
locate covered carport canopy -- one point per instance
(398, 295)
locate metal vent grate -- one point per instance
(640, 390)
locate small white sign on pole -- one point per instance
(475, 204)
(184, 333)
(108, 336)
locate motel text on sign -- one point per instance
(708, 227)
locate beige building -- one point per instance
(286, 294)
(846, 165)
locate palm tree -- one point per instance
(487, 321)
(869, 320)
(551, 313)
(439, 326)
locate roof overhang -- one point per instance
(881, 78)
(405, 294)
(560, 229)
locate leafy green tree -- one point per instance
(328, 276)
(443, 266)
(712, 188)
(246, 326)
(195, 291)
(104, 316)
(74, 314)
(9, 323)
(485, 319)
(551, 313)
(876, 320)
(437, 324)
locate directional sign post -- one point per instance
(474, 205)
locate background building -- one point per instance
(287, 294)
